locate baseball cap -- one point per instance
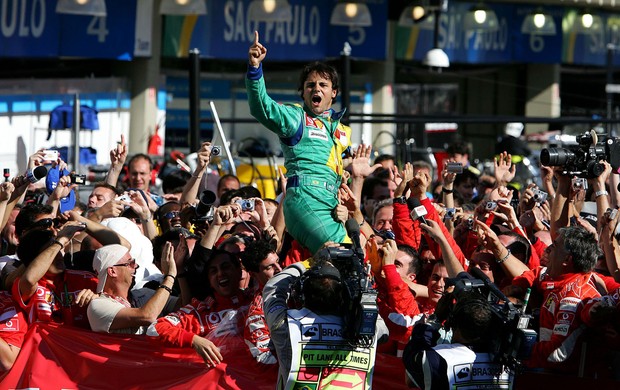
(106, 257)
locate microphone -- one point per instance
(418, 211)
(353, 230)
(37, 174)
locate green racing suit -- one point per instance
(312, 146)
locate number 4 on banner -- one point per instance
(97, 26)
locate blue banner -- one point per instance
(33, 29)
(226, 32)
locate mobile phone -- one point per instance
(453, 167)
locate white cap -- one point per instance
(106, 257)
(514, 129)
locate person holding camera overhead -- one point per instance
(313, 140)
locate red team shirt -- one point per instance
(54, 298)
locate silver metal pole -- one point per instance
(76, 133)
(233, 168)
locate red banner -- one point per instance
(59, 357)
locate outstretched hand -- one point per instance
(257, 52)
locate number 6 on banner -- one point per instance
(97, 26)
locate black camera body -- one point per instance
(78, 179)
(511, 341)
(360, 301)
(583, 159)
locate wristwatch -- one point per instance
(400, 199)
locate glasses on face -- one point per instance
(45, 223)
(171, 214)
(131, 263)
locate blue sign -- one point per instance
(33, 29)
(226, 32)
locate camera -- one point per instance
(453, 167)
(470, 223)
(539, 196)
(360, 299)
(579, 183)
(216, 150)
(78, 179)
(50, 155)
(583, 159)
(510, 341)
(450, 213)
(246, 204)
(490, 206)
(205, 210)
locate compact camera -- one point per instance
(246, 204)
(470, 223)
(450, 213)
(539, 196)
(124, 198)
(50, 155)
(216, 150)
(490, 206)
(453, 167)
(78, 179)
(579, 183)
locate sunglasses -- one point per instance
(131, 263)
(171, 214)
(45, 223)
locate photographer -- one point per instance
(465, 362)
(313, 338)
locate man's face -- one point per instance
(318, 93)
(484, 260)
(140, 174)
(383, 218)
(461, 158)
(402, 262)
(466, 189)
(100, 196)
(223, 276)
(437, 282)
(267, 269)
(227, 185)
(125, 269)
(270, 208)
(170, 216)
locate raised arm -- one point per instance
(133, 317)
(118, 156)
(190, 191)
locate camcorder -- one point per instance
(511, 340)
(205, 210)
(583, 159)
(361, 311)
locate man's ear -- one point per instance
(411, 278)
(112, 272)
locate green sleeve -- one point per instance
(283, 120)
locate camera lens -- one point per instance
(206, 201)
(246, 205)
(555, 157)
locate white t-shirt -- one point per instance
(103, 309)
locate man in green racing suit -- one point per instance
(313, 140)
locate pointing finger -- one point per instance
(256, 38)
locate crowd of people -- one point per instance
(191, 269)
